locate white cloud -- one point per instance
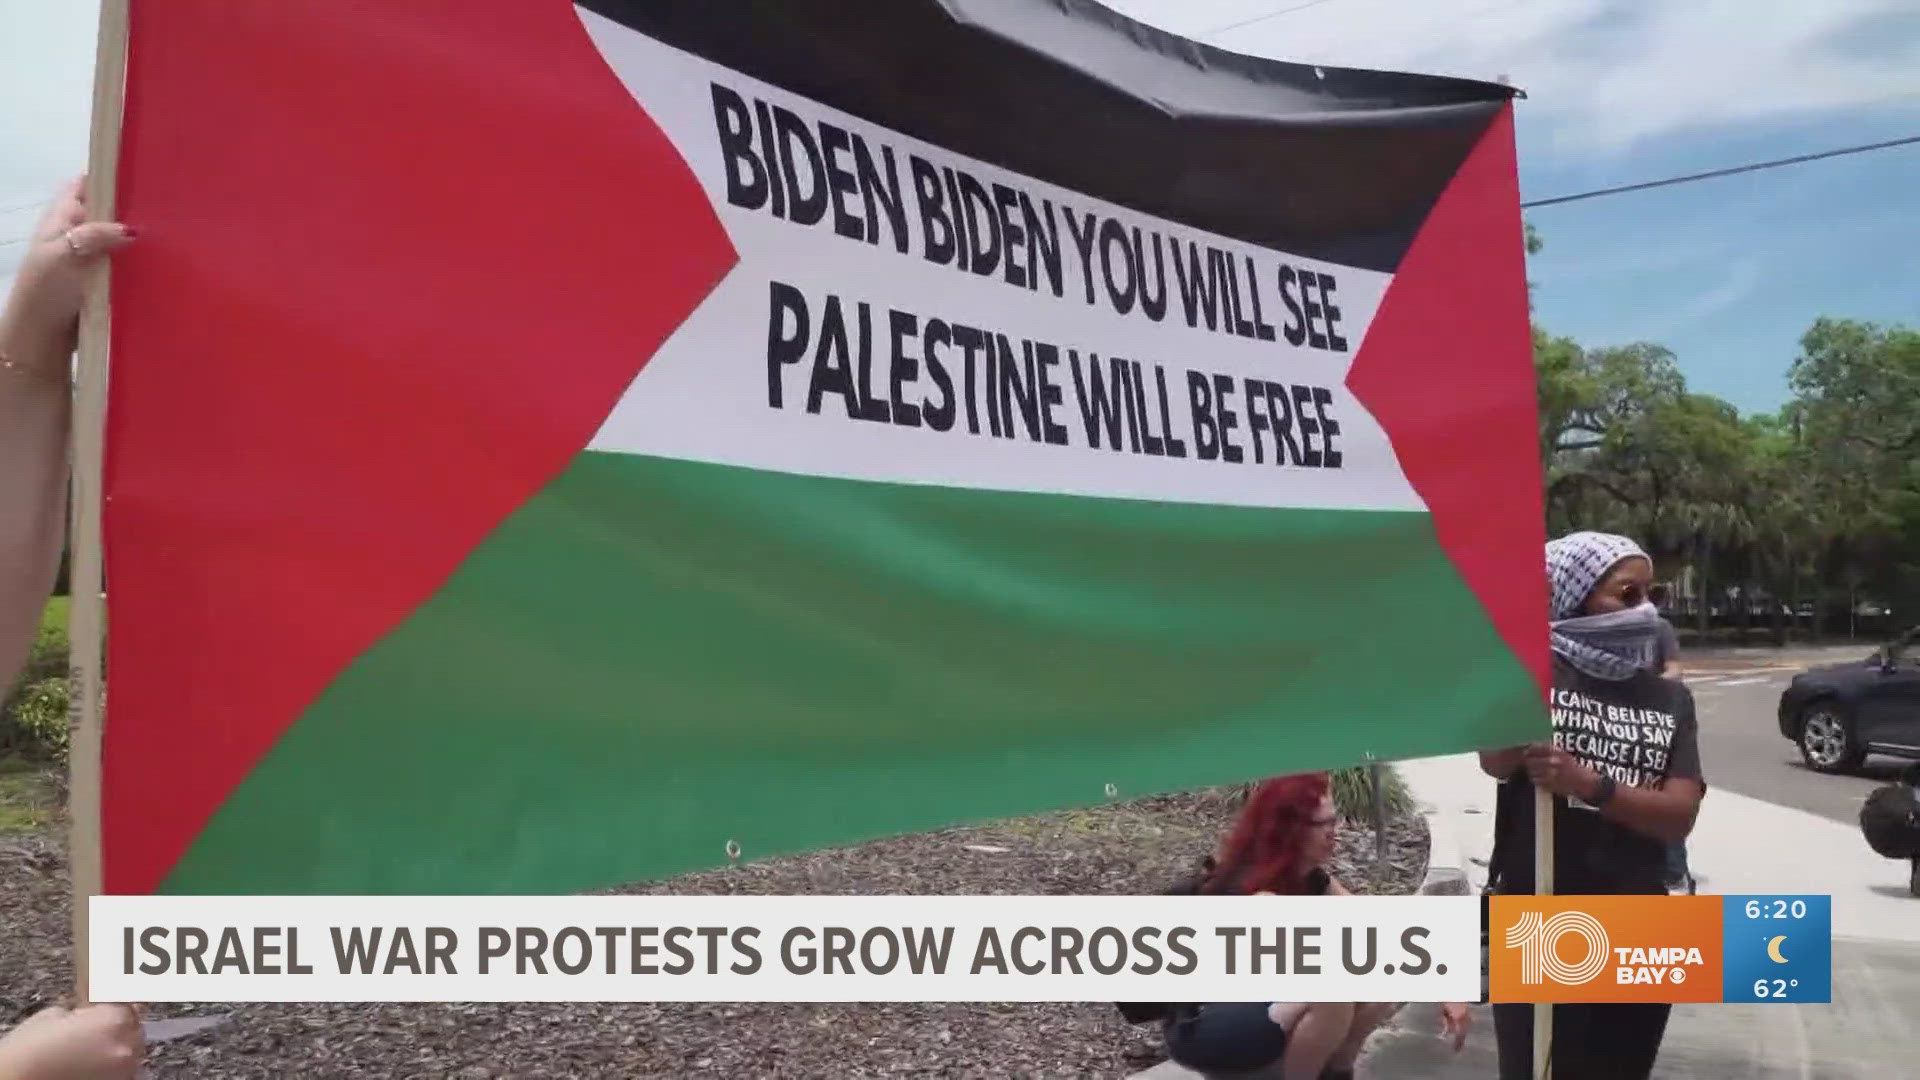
(1605, 74)
(1735, 285)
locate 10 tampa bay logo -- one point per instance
(1538, 939)
(1605, 948)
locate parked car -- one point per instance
(1840, 713)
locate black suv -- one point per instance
(1840, 713)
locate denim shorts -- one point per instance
(1225, 1037)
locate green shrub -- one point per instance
(40, 720)
(49, 656)
(33, 720)
(1353, 793)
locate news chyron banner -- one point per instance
(1676, 949)
(784, 948)
(1661, 948)
(554, 445)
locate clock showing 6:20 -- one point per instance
(1776, 909)
(1778, 949)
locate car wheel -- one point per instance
(1826, 739)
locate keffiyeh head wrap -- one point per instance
(1610, 646)
(1579, 561)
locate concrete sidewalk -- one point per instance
(1871, 1029)
(1739, 845)
(1868, 1032)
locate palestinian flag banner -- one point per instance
(552, 445)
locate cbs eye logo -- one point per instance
(1538, 938)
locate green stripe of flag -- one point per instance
(657, 656)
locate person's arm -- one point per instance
(1502, 764)
(1455, 1021)
(99, 1042)
(33, 488)
(1666, 813)
(37, 331)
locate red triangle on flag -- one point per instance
(398, 262)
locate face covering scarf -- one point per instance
(1611, 646)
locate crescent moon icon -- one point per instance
(1773, 950)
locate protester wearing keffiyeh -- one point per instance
(1622, 793)
(1610, 646)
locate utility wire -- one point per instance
(1755, 166)
(1263, 18)
(1750, 167)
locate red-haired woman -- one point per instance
(1280, 845)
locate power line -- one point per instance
(1735, 170)
(26, 206)
(1751, 167)
(1263, 18)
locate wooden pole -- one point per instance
(88, 613)
(1543, 886)
(1376, 784)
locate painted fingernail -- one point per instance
(128, 231)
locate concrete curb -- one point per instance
(1456, 864)
(1459, 823)
(180, 1027)
(1448, 871)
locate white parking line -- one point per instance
(1743, 682)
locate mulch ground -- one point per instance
(1128, 848)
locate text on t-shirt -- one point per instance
(1631, 745)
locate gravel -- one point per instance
(1135, 847)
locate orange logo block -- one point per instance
(1604, 948)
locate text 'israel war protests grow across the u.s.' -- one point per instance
(652, 950)
(883, 364)
(772, 948)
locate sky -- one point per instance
(1727, 273)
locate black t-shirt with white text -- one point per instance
(1642, 732)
